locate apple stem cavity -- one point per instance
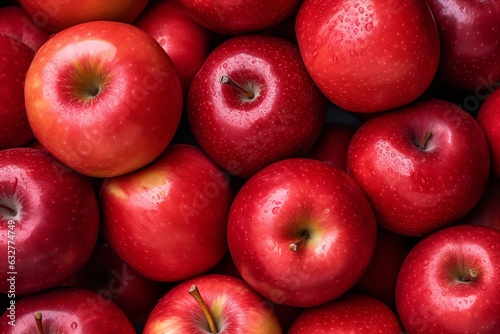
(244, 91)
(423, 141)
(296, 245)
(470, 276)
(9, 210)
(193, 291)
(38, 319)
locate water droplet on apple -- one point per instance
(369, 26)
(74, 325)
(315, 53)
(275, 210)
(352, 53)
(443, 293)
(224, 65)
(429, 292)
(335, 59)
(492, 247)
(374, 173)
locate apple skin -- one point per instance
(416, 191)
(487, 211)
(239, 17)
(161, 241)
(282, 203)
(470, 51)
(67, 310)
(16, 57)
(369, 58)
(56, 222)
(284, 118)
(488, 117)
(87, 91)
(431, 294)
(186, 42)
(57, 15)
(15, 22)
(350, 313)
(236, 309)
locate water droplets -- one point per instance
(315, 53)
(369, 26)
(74, 325)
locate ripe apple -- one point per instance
(15, 22)
(15, 59)
(219, 304)
(447, 284)
(487, 211)
(301, 232)
(186, 42)
(57, 15)
(65, 310)
(350, 313)
(49, 220)
(168, 220)
(488, 117)
(369, 56)
(239, 17)
(103, 97)
(470, 53)
(422, 167)
(253, 103)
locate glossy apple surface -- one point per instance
(103, 97)
(422, 167)
(301, 232)
(49, 219)
(489, 118)
(57, 15)
(235, 307)
(470, 53)
(281, 118)
(67, 310)
(369, 56)
(447, 284)
(15, 22)
(350, 313)
(168, 220)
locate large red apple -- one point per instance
(49, 220)
(470, 52)
(168, 220)
(369, 56)
(65, 310)
(15, 59)
(488, 117)
(103, 97)
(422, 167)
(231, 304)
(253, 103)
(301, 232)
(15, 22)
(351, 313)
(185, 41)
(447, 283)
(57, 15)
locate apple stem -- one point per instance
(204, 308)
(7, 209)
(228, 81)
(470, 276)
(423, 141)
(296, 245)
(38, 319)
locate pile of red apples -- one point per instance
(256, 167)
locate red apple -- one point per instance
(15, 22)
(185, 41)
(231, 304)
(168, 220)
(239, 17)
(369, 56)
(470, 53)
(49, 220)
(489, 118)
(487, 210)
(57, 15)
(65, 310)
(253, 103)
(447, 283)
(350, 313)
(301, 232)
(15, 59)
(422, 167)
(103, 97)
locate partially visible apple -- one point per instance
(487, 210)
(103, 97)
(422, 167)
(301, 232)
(448, 282)
(15, 22)
(488, 117)
(219, 304)
(49, 221)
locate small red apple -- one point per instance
(488, 117)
